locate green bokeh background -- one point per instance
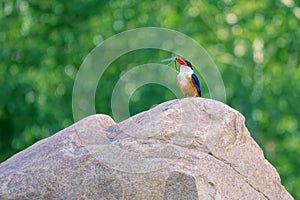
(255, 45)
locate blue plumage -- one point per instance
(196, 83)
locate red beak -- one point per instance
(181, 61)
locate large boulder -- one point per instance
(191, 148)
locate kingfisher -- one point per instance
(187, 80)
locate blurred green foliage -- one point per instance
(255, 44)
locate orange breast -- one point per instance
(186, 85)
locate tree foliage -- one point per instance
(254, 44)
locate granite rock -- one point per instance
(192, 148)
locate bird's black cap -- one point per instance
(189, 64)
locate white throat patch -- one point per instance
(185, 70)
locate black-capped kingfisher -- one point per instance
(187, 80)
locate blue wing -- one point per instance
(196, 83)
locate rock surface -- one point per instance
(192, 148)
